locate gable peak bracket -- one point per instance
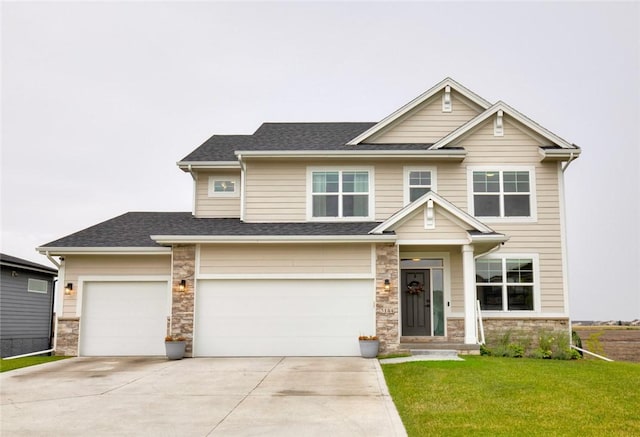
(429, 218)
(446, 99)
(498, 125)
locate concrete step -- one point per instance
(435, 352)
(460, 348)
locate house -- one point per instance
(305, 235)
(26, 306)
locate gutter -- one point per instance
(55, 263)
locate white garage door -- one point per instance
(123, 318)
(282, 317)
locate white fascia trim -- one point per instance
(441, 154)
(293, 276)
(434, 242)
(105, 250)
(489, 238)
(559, 154)
(256, 239)
(501, 106)
(29, 268)
(199, 165)
(440, 201)
(417, 101)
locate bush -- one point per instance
(551, 345)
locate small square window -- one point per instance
(37, 286)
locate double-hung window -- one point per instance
(340, 193)
(418, 181)
(503, 193)
(506, 284)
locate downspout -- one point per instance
(571, 159)
(55, 263)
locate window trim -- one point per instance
(532, 218)
(405, 180)
(536, 283)
(214, 179)
(340, 168)
(30, 290)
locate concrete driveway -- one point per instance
(199, 397)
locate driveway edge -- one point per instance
(392, 411)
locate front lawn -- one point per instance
(510, 396)
(17, 363)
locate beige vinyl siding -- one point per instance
(427, 123)
(216, 207)
(286, 259)
(446, 229)
(110, 265)
(275, 191)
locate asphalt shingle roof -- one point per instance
(133, 229)
(8, 259)
(291, 136)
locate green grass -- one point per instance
(17, 363)
(509, 396)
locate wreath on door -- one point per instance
(414, 287)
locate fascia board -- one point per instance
(417, 101)
(185, 165)
(29, 268)
(104, 250)
(491, 238)
(560, 153)
(284, 239)
(480, 118)
(446, 154)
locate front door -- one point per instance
(416, 302)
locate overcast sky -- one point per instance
(99, 101)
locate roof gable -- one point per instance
(415, 103)
(514, 114)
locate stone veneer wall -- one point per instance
(184, 267)
(494, 328)
(387, 304)
(67, 333)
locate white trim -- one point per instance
(434, 242)
(406, 170)
(501, 106)
(438, 200)
(222, 178)
(293, 239)
(447, 103)
(105, 250)
(537, 300)
(456, 154)
(533, 203)
(243, 186)
(563, 239)
(559, 154)
(128, 278)
(469, 294)
(416, 102)
(291, 276)
(202, 165)
(341, 169)
(498, 125)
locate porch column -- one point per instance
(469, 281)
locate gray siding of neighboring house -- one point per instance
(25, 317)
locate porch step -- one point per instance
(442, 353)
(458, 348)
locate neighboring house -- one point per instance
(305, 235)
(26, 306)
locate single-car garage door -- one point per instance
(265, 317)
(123, 318)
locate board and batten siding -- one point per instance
(216, 207)
(427, 123)
(110, 265)
(286, 259)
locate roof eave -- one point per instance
(440, 154)
(560, 154)
(56, 251)
(199, 165)
(286, 239)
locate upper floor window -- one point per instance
(340, 193)
(506, 284)
(37, 286)
(418, 182)
(223, 186)
(503, 193)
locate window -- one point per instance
(418, 182)
(340, 194)
(37, 286)
(505, 284)
(223, 186)
(503, 193)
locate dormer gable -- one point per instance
(427, 118)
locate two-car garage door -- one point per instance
(296, 317)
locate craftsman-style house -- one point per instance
(304, 236)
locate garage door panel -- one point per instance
(282, 317)
(123, 318)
